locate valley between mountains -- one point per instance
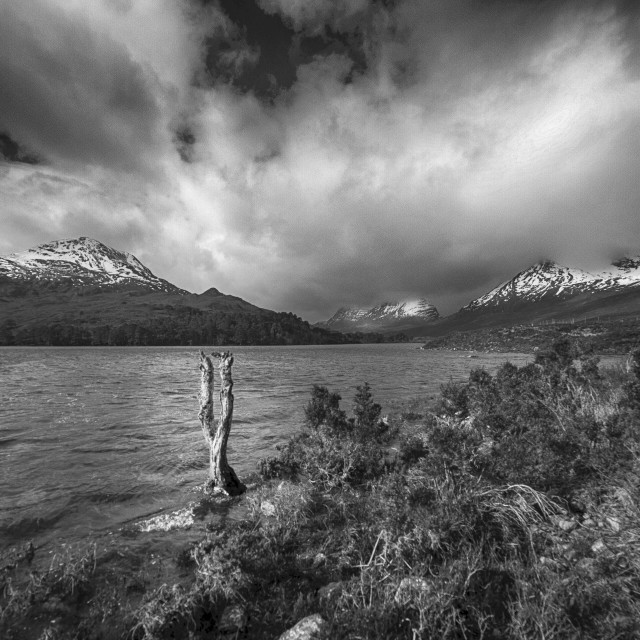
(81, 292)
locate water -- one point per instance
(95, 439)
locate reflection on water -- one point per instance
(92, 439)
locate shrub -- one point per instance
(552, 425)
(333, 450)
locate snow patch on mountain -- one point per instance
(81, 261)
(625, 272)
(382, 316)
(419, 308)
(549, 280)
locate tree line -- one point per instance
(228, 328)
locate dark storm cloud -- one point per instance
(71, 93)
(317, 17)
(13, 152)
(261, 49)
(251, 51)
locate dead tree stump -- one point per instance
(222, 478)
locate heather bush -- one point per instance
(333, 450)
(554, 425)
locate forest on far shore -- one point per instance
(186, 326)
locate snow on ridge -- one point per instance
(626, 271)
(414, 308)
(551, 279)
(84, 258)
(404, 309)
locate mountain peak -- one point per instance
(81, 261)
(548, 280)
(386, 316)
(212, 292)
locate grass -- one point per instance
(510, 509)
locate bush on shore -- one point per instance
(332, 450)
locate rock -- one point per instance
(564, 523)
(614, 524)
(598, 547)
(309, 628)
(330, 590)
(409, 588)
(268, 508)
(233, 619)
(182, 519)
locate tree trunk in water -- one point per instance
(221, 476)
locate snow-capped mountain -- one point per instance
(549, 281)
(385, 316)
(84, 262)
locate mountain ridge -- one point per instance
(53, 282)
(82, 262)
(546, 292)
(386, 316)
(550, 279)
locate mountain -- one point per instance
(548, 292)
(81, 262)
(81, 292)
(535, 284)
(385, 317)
(550, 281)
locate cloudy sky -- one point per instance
(310, 154)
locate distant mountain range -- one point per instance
(544, 291)
(548, 292)
(388, 316)
(81, 292)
